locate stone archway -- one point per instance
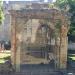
(19, 22)
(43, 38)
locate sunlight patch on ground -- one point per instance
(2, 61)
(73, 58)
(4, 54)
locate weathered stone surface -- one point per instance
(32, 43)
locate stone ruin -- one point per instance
(38, 36)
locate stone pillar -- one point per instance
(63, 47)
(13, 40)
(18, 59)
(19, 40)
(57, 52)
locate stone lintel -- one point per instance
(35, 13)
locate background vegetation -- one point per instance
(1, 12)
(68, 6)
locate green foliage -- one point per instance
(72, 11)
(69, 7)
(1, 12)
(62, 4)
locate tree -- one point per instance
(1, 12)
(69, 7)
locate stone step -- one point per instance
(39, 73)
(33, 73)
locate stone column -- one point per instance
(19, 40)
(63, 47)
(57, 52)
(15, 43)
(13, 40)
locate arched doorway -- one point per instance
(44, 39)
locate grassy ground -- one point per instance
(72, 56)
(4, 55)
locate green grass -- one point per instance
(2, 61)
(4, 55)
(72, 56)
